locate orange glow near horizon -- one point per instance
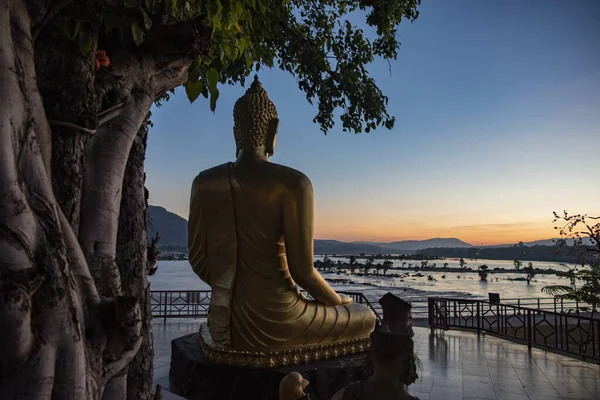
(475, 234)
(476, 231)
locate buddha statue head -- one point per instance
(255, 121)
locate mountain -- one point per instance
(173, 232)
(336, 247)
(414, 245)
(172, 229)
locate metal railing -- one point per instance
(179, 303)
(195, 303)
(575, 334)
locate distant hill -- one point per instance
(414, 245)
(545, 242)
(173, 232)
(336, 247)
(171, 228)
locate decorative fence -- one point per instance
(575, 334)
(195, 303)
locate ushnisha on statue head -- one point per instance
(255, 121)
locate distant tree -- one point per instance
(362, 254)
(327, 263)
(585, 276)
(352, 260)
(434, 265)
(483, 272)
(518, 264)
(424, 264)
(368, 265)
(445, 265)
(462, 263)
(387, 264)
(530, 272)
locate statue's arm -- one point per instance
(298, 232)
(197, 235)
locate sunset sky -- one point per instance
(497, 107)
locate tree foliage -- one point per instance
(314, 40)
(584, 278)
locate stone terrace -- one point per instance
(456, 365)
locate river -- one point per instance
(178, 275)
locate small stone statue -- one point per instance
(396, 320)
(392, 360)
(292, 387)
(396, 315)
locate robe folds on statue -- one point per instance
(255, 304)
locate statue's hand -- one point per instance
(345, 299)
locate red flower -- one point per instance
(102, 59)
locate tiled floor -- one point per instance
(456, 365)
(461, 365)
(164, 333)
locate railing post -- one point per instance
(430, 313)
(529, 332)
(597, 347)
(165, 315)
(477, 318)
(538, 301)
(518, 302)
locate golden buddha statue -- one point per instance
(251, 240)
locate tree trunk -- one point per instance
(70, 103)
(132, 262)
(55, 328)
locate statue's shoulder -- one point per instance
(292, 178)
(211, 174)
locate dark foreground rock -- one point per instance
(194, 377)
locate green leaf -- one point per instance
(193, 90)
(138, 34)
(212, 76)
(214, 95)
(213, 11)
(263, 5)
(194, 71)
(147, 20)
(85, 42)
(76, 31)
(242, 44)
(231, 51)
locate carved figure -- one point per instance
(251, 239)
(393, 360)
(292, 387)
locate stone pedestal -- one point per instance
(194, 377)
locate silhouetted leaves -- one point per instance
(312, 40)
